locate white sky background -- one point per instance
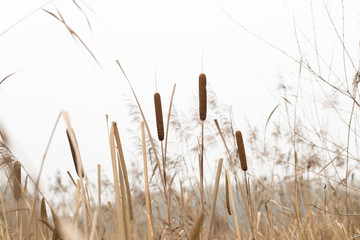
(56, 73)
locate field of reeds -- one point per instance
(294, 180)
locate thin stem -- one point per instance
(202, 167)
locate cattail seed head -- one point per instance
(75, 152)
(241, 150)
(159, 116)
(202, 96)
(17, 180)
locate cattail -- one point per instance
(159, 116)
(202, 96)
(241, 150)
(75, 152)
(17, 180)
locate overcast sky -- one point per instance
(56, 72)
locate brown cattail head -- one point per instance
(241, 150)
(17, 180)
(75, 152)
(159, 116)
(202, 96)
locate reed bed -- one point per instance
(177, 199)
(233, 209)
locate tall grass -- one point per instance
(298, 198)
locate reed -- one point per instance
(44, 219)
(213, 205)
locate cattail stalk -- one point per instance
(149, 216)
(160, 128)
(202, 113)
(242, 156)
(160, 131)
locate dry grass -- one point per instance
(289, 205)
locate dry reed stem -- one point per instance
(93, 227)
(233, 206)
(119, 214)
(202, 96)
(75, 152)
(125, 193)
(84, 215)
(159, 116)
(44, 218)
(56, 231)
(71, 178)
(77, 204)
(125, 206)
(241, 150)
(17, 180)
(99, 200)
(201, 166)
(213, 205)
(149, 216)
(227, 195)
(168, 119)
(123, 167)
(222, 137)
(4, 216)
(164, 155)
(229, 155)
(197, 227)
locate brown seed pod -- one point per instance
(159, 116)
(17, 180)
(75, 152)
(241, 150)
(202, 96)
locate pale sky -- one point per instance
(169, 37)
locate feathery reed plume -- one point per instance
(17, 180)
(75, 152)
(159, 116)
(241, 150)
(202, 96)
